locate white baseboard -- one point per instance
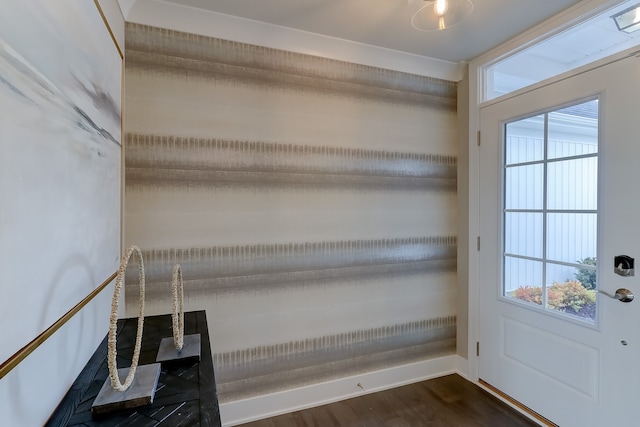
(256, 408)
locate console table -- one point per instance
(186, 392)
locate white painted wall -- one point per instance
(114, 16)
(32, 390)
(462, 345)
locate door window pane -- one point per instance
(571, 290)
(525, 140)
(560, 148)
(571, 237)
(550, 210)
(524, 232)
(523, 279)
(573, 131)
(523, 187)
(573, 184)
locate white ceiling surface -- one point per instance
(386, 23)
(379, 32)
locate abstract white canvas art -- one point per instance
(60, 154)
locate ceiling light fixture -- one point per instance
(429, 15)
(628, 20)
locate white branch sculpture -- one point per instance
(177, 317)
(111, 358)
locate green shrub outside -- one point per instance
(568, 296)
(587, 276)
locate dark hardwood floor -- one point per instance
(449, 401)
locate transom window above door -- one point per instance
(550, 210)
(593, 39)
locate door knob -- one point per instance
(622, 295)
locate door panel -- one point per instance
(573, 371)
(522, 344)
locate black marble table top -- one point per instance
(186, 392)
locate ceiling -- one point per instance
(386, 23)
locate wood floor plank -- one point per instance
(463, 403)
(343, 412)
(319, 417)
(449, 401)
(286, 420)
(363, 407)
(404, 411)
(383, 405)
(411, 397)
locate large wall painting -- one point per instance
(60, 133)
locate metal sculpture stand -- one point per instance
(141, 391)
(190, 351)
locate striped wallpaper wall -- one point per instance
(310, 202)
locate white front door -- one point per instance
(560, 194)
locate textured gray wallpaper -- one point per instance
(173, 160)
(265, 267)
(310, 202)
(254, 371)
(174, 53)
